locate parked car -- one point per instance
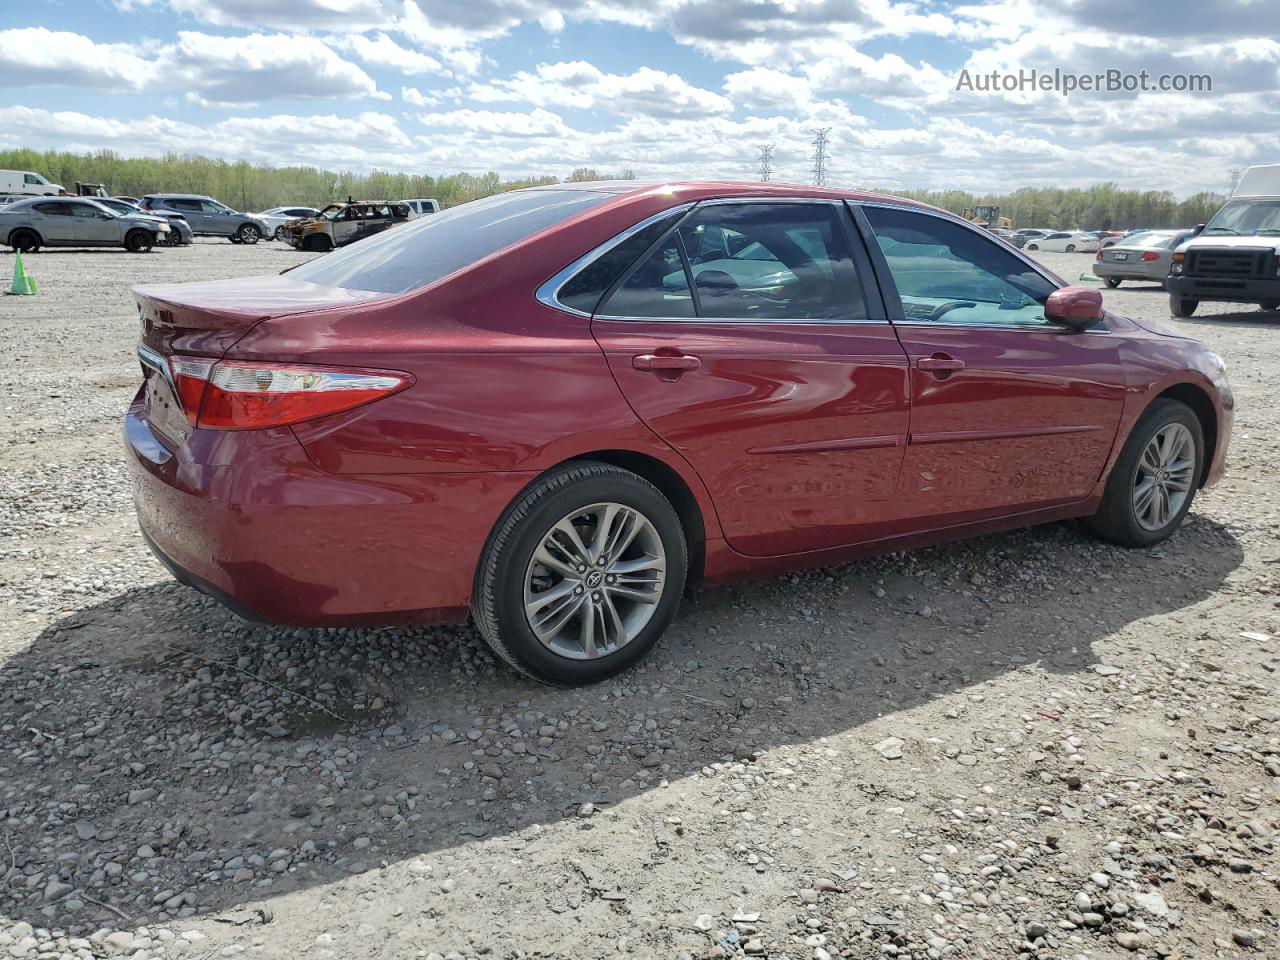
(423, 208)
(274, 220)
(1064, 242)
(207, 217)
(179, 230)
(1236, 258)
(342, 223)
(28, 184)
(11, 197)
(553, 408)
(1143, 256)
(36, 222)
(1027, 234)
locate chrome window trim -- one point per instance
(548, 293)
(746, 320)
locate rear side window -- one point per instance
(424, 250)
(585, 288)
(658, 288)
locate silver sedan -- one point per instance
(1143, 256)
(28, 225)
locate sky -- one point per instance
(665, 88)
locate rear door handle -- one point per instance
(656, 361)
(939, 363)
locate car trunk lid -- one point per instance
(199, 322)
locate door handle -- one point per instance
(940, 363)
(657, 361)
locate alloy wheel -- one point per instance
(1165, 473)
(594, 581)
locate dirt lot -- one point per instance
(1032, 744)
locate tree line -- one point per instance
(249, 186)
(1103, 206)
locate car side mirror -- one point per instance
(1199, 229)
(1076, 308)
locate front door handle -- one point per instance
(940, 363)
(658, 361)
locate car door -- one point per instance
(53, 221)
(92, 226)
(749, 338)
(1008, 411)
(220, 221)
(192, 211)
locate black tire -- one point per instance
(24, 240)
(282, 234)
(234, 238)
(1116, 519)
(248, 234)
(139, 241)
(1112, 282)
(497, 603)
(317, 243)
(1071, 248)
(1182, 306)
(1270, 305)
(1033, 246)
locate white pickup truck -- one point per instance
(1236, 257)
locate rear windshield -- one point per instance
(420, 252)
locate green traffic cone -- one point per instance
(24, 284)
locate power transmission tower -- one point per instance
(766, 162)
(820, 156)
(1236, 174)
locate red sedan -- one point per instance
(552, 409)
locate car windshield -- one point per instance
(423, 251)
(331, 212)
(1247, 218)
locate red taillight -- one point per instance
(250, 395)
(1150, 255)
(1098, 255)
(189, 377)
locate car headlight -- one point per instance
(1216, 362)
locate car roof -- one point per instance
(177, 196)
(690, 190)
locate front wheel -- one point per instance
(1071, 248)
(1112, 282)
(138, 241)
(1154, 479)
(1182, 306)
(282, 234)
(1033, 246)
(248, 234)
(582, 575)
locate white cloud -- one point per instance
(33, 55)
(381, 50)
(228, 70)
(584, 86)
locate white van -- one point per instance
(28, 183)
(1235, 258)
(421, 208)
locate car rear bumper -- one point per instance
(247, 518)
(1132, 270)
(1225, 289)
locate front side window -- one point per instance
(772, 261)
(948, 273)
(33, 178)
(85, 211)
(427, 249)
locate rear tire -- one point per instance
(1071, 248)
(138, 241)
(1182, 306)
(282, 234)
(1112, 282)
(1033, 246)
(248, 234)
(1120, 517)
(24, 240)
(566, 649)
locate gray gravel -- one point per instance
(1030, 745)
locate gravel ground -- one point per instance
(1031, 744)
